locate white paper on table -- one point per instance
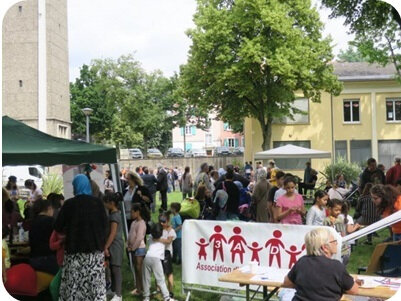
(372, 282)
(271, 274)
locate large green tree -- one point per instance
(132, 105)
(377, 29)
(248, 57)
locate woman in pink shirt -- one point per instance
(290, 206)
(136, 242)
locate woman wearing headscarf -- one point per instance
(260, 197)
(83, 220)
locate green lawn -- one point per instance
(359, 257)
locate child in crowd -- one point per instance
(176, 223)
(114, 244)
(348, 221)
(153, 263)
(167, 238)
(290, 206)
(339, 224)
(317, 213)
(136, 242)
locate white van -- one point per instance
(23, 173)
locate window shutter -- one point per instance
(235, 142)
(182, 131)
(193, 130)
(225, 142)
(225, 125)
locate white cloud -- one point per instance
(152, 29)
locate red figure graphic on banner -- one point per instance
(293, 255)
(218, 239)
(255, 251)
(202, 248)
(274, 251)
(237, 247)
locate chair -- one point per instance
(385, 260)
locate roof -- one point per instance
(24, 145)
(292, 151)
(362, 71)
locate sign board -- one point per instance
(70, 171)
(214, 248)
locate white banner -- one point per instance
(213, 248)
(383, 223)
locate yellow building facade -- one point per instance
(363, 121)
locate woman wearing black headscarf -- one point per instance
(83, 220)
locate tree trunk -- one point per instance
(145, 147)
(266, 127)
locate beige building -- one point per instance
(363, 121)
(35, 65)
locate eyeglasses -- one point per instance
(333, 241)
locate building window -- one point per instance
(208, 139)
(227, 127)
(351, 110)
(361, 151)
(20, 8)
(62, 131)
(301, 105)
(341, 149)
(286, 164)
(20, 83)
(388, 150)
(393, 109)
(231, 142)
(188, 130)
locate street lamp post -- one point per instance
(87, 112)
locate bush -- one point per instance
(52, 183)
(350, 171)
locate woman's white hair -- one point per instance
(315, 239)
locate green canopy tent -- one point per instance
(24, 145)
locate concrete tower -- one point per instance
(35, 65)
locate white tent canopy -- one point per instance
(290, 151)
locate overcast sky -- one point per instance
(152, 29)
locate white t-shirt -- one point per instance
(315, 216)
(167, 234)
(280, 192)
(338, 193)
(350, 222)
(156, 249)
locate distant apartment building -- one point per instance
(35, 65)
(363, 121)
(218, 134)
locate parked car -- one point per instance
(154, 153)
(135, 153)
(222, 151)
(197, 152)
(239, 151)
(175, 152)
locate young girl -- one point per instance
(290, 206)
(348, 221)
(153, 263)
(176, 223)
(114, 244)
(317, 213)
(136, 242)
(167, 238)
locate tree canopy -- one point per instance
(249, 57)
(352, 54)
(130, 107)
(377, 29)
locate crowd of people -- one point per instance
(75, 240)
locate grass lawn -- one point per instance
(359, 257)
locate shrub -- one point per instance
(52, 183)
(350, 171)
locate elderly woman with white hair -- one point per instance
(260, 197)
(316, 276)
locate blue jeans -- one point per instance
(396, 236)
(177, 250)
